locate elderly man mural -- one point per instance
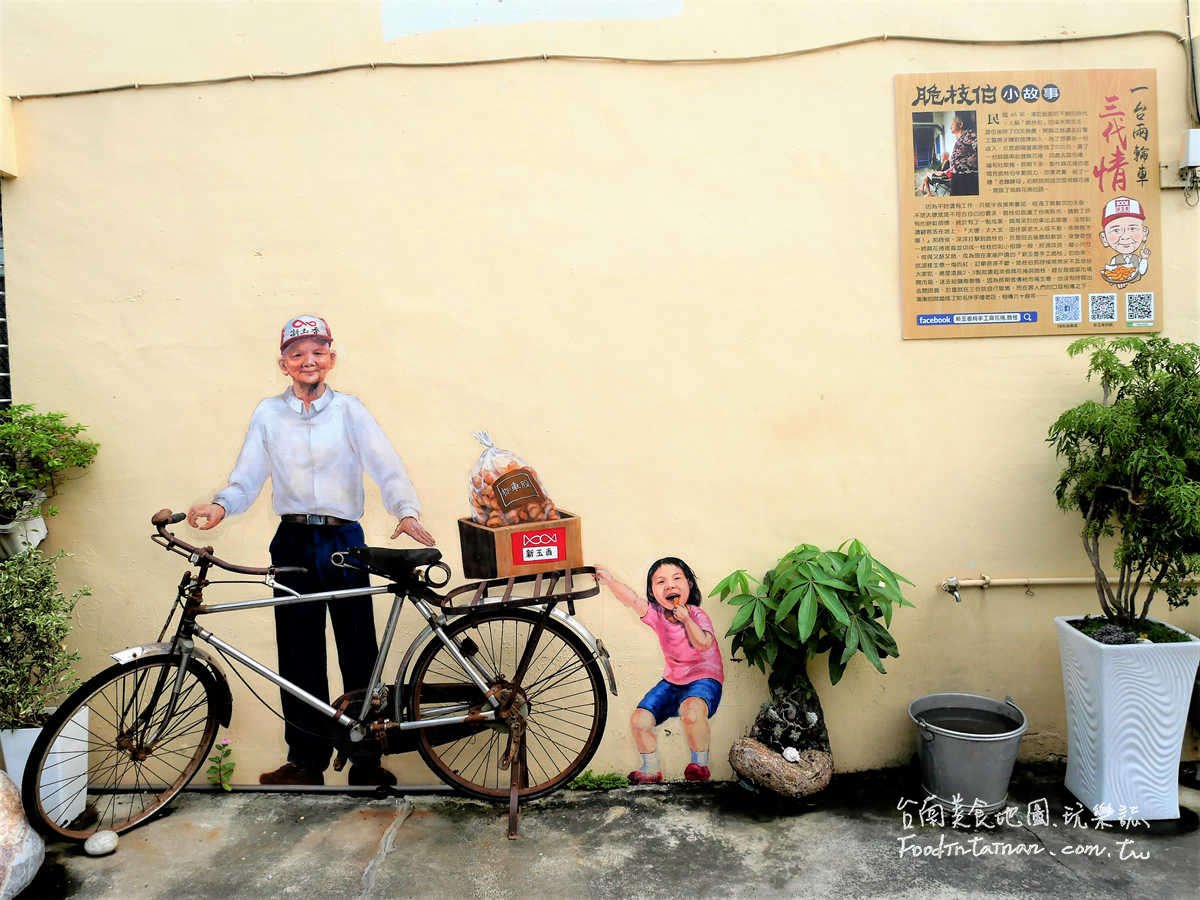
(315, 443)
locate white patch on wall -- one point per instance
(403, 17)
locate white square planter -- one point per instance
(66, 773)
(24, 534)
(1126, 711)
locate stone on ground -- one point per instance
(101, 843)
(761, 765)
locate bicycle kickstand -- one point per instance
(514, 760)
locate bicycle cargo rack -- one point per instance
(557, 586)
(548, 589)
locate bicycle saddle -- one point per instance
(392, 563)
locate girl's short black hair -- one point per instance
(694, 596)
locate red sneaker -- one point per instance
(637, 776)
(695, 772)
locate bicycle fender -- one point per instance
(224, 697)
(599, 651)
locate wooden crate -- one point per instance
(524, 549)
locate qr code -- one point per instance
(1068, 307)
(1139, 305)
(1102, 307)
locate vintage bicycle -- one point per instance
(502, 695)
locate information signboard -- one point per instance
(1029, 203)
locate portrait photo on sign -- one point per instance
(945, 153)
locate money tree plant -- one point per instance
(1131, 469)
(813, 601)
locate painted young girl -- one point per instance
(693, 676)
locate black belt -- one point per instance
(310, 519)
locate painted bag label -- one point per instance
(517, 488)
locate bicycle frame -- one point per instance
(511, 684)
(355, 725)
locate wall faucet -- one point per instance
(950, 586)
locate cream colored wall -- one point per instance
(8, 141)
(674, 289)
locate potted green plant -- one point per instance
(1131, 470)
(813, 601)
(35, 666)
(37, 450)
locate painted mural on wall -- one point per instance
(693, 675)
(315, 444)
(514, 528)
(505, 490)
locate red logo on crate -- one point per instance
(532, 547)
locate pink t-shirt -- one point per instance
(685, 663)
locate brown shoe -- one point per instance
(292, 773)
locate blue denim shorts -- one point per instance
(664, 699)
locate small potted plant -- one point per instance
(1132, 472)
(813, 601)
(35, 666)
(37, 450)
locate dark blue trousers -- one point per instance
(300, 633)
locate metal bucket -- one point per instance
(967, 747)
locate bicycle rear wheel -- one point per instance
(561, 700)
(97, 765)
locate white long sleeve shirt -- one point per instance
(316, 459)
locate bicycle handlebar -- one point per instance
(164, 517)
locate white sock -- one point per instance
(650, 764)
(700, 757)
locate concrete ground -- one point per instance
(673, 840)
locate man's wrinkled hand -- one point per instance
(211, 513)
(411, 526)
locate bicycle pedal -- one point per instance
(339, 763)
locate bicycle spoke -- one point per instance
(553, 679)
(108, 765)
(532, 760)
(556, 725)
(561, 698)
(465, 746)
(544, 737)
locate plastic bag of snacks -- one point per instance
(505, 490)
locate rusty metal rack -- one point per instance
(497, 593)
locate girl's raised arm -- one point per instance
(623, 592)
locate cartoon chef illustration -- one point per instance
(1124, 230)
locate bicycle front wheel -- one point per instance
(560, 699)
(117, 750)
